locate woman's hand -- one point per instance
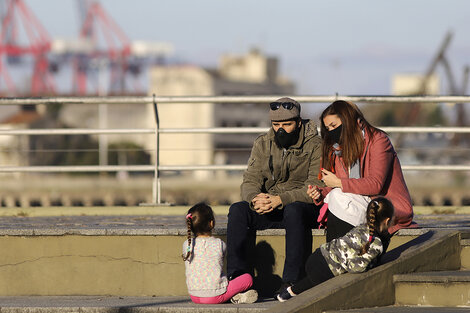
(330, 179)
(313, 192)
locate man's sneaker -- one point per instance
(284, 295)
(249, 296)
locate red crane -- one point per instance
(38, 46)
(115, 52)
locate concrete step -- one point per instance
(443, 288)
(107, 304)
(406, 309)
(465, 252)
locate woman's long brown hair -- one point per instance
(351, 141)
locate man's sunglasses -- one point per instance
(286, 105)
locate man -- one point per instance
(283, 162)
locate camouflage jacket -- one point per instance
(343, 254)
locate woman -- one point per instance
(359, 163)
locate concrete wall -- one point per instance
(465, 254)
(124, 263)
(90, 265)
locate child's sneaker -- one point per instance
(285, 295)
(249, 296)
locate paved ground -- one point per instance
(162, 222)
(120, 304)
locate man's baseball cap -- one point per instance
(284, 109)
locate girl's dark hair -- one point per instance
(351, 140)
(378, 210)
(198, 221)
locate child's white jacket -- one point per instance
(204, 270)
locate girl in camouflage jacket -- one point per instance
(355, 252)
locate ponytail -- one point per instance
(189, 218)
(199, 221)
(371, 222)
(378, 211)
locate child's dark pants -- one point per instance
(317, 272)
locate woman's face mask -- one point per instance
(334, 126)
(335, 134)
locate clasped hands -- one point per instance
(264, 203)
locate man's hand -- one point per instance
(275, 201)
(264, 203)
(330, 179)
(313, 192)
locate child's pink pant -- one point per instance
(237, 285)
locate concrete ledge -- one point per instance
(81, 255)
(435, 250)
(176, 210)
(84, 261)
(103, 304)
(405, 309)
(128, 231)
(434, 277)
(443, 288)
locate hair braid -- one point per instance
(189, 219)
(371, 222)
(200, 221)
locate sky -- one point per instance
(325, 47)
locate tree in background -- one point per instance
(394, 114)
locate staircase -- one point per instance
(435, 291)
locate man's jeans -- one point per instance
(297, 219)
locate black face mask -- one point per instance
(285, 139)
(335, 134)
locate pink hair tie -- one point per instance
(371, 238)
(189, 216)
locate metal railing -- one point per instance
(157, 168)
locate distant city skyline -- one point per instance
(323, 46)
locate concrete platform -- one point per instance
(141, 225)
(103, 304)
(405, 309)
(442, 288)
(434, 277)
(156, 221)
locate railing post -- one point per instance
(156, 194)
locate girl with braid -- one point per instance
(203, 257)
(355, 252)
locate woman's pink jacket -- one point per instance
(381, 176)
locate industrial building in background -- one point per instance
(250, 74)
